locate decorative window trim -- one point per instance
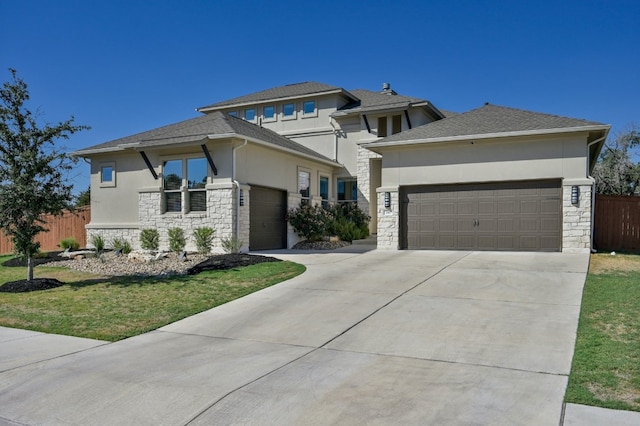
(313, 113)
(292, 116)
(266, 119)
(101, 174)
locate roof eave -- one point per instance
(383, 144)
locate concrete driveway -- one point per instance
(376, 338)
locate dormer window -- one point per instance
(288, 110)
(269, 112)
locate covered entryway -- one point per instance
(519, 216)
(267, 212)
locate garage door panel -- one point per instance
(496, 216)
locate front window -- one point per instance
(108, 174)
(347, 190)
(382, 127)
(189, 192)
(197, 181)
(324, 191)
(172, 179)
(233, 113)
(304, 183)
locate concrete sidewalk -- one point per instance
(374, 338)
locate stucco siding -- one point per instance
(491, 160)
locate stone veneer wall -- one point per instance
(364, 177)
(389, 220)
(576, 220)
(131, 234)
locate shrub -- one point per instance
(350, 223)
(150, 239)
(231, 245)
(176, 239)
(69, 243)
(121, 243)
(204, 239)
(310, 222)
(97, 242)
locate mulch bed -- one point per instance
(37, 284)
(218, 262)
(40, 259)
(229, 261)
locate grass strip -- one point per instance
(606, 363)
(114, 308)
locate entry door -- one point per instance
(267, 216)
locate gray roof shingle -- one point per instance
(368, 101)
(487, 120)
(198, 129)
(289, 90)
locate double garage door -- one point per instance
(267, 212)
(525, 216)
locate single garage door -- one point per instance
(267, 212)
(525, 216)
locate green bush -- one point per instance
(350, 223)
(97, 242)
(69, 243)
(150, 239)
(310, 222)
(204, 239)
(121, 243)
(231, 245)
(176, 239)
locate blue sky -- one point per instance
(127, 66)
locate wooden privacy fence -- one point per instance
(70, 224)
(617, 223)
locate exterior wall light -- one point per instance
(241, 197)
(575, 194)
(387, 200)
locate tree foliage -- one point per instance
(32, 169)
(618, 169)
(84, 198)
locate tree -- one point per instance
(32, 169)
(84, 198)
(618, 169)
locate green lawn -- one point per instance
(606, 363)
(117, 308)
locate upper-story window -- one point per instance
(107, 174)
(250, 114)
(269, 112)
(396, 124)
(233, 113)
(382, 127)
(289, 110)
(309, 107)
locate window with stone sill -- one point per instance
(184, 182)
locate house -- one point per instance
(494, 178)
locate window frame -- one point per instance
(274, 117)
(255, 114)
(354, 186)
(382, 124)
(304, 200)
(313, 113)
(107, 183)
(325, 201)
(293, 115)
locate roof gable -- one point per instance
(489, 120)
(308, 88)
(209, 126)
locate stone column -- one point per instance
(576, 217)
(389, 219)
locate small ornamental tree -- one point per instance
(32, 170)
